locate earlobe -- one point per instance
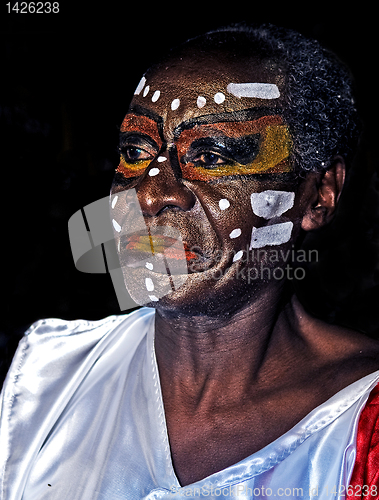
(325, 195)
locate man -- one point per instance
(237, 141)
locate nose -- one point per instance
(161, 188)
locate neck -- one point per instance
(199, 356)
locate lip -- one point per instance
(167, 254)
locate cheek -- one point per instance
(246, 219)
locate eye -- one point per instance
(209, 160)
(134, 154)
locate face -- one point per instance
(205, 180)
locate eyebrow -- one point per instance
(233, 116)
(141, 111)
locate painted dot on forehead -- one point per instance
(201, 101)
(156, 95)
(175, 104)
(146, 91)
(219, 98)
(140, 86)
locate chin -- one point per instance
(196, 294)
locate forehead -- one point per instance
(183, 89)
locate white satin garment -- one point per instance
(82, 419)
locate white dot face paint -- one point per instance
(269, 204)
(156, 95)
(276, 234)
(160, 159)
(235, 233)
(257, 90)
(149, 266)
(153, 298)
(201, 101)
(153, 172)
(224, 204)
(114, 201)
(219, 98)
(149, 284)
(146, 91)
(116, 225)
(237, 256)
(175, 104)
(140, 86)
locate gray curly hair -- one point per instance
(321, 111)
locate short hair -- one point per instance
(320, 108)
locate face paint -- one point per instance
(237, 256)
(153, 172)
(139, 144)
(116, 225)
(114, 201)
(201, 102)
(156, 96)
(235, 233)
(219, 98)
(235, 148)
(269, 204)
(140, 86)
(257, 90)
(224, 204)
(276, 234)
(149, 284)
(175, 104)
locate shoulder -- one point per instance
(54, 348)
(341, 355)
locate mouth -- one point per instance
(161, 253)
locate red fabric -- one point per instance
(364, 482)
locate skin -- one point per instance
(239, 363)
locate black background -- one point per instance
(65, 85)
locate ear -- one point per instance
(325, 190)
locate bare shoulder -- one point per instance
(356, 353)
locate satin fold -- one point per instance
(83, 419)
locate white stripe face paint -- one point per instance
(269, 204)
(140, 86)
(149, 284)
(276, 234)
(114, 201)
(257, 90)
(116, 225)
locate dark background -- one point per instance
(65, 84)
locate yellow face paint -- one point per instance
(271, 152)
(140, 141)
